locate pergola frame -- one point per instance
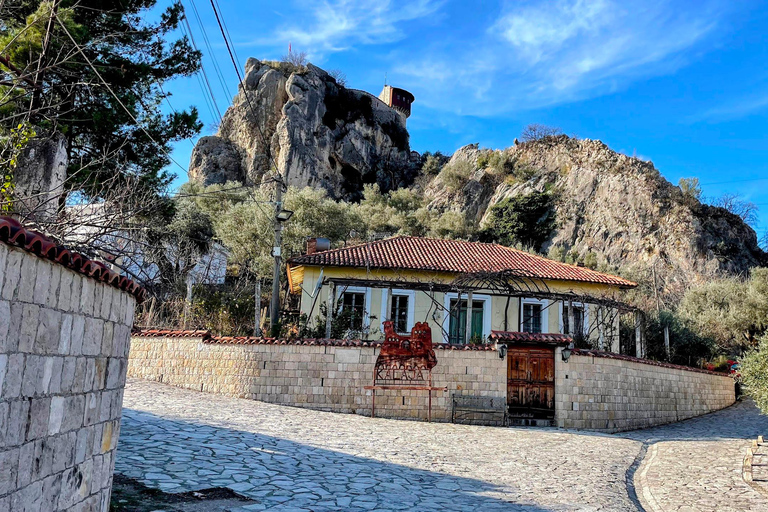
(510, 283)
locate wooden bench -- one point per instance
(461, 405)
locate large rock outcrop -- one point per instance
(318, 134)
(618, 207)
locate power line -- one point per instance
(223, 21)
(734, 181)
(211, 53)
(202, 68)
(245, 92)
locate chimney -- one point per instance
(317, 245)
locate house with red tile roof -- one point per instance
(466, 291)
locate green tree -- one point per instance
(754, 374)
(77, 65)
(526, 220)
(397, 212)
(732, 311)
(242, 221)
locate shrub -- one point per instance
(456, 175)
(754, 374)
(733, 311)
(536, 131)
(339, 76)
(528, 220)
(298, 59)
(432, 163)
(556, 253)
(590, 260)
(691, 190)
(687, 346)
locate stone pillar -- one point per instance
(639, 338)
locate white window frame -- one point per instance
(366, 303)
(411, 294)
(544, 303)
(585, 324)
(486, 299)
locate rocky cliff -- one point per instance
(317, 132)
(618, 207)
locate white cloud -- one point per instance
(540, 54)
(336, 25)
(733, 110)
(536, 31)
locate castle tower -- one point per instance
(398, 99)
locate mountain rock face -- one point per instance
(317, 133)
(607, 203)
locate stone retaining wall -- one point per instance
(64, 339)
(326, 376)
(611, 393)
(599, 391)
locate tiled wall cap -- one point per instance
(170, 333)
(611, 355)
(14, 234)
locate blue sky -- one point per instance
(683, 84)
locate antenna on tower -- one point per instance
(385, 78)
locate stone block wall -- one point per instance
(611, 393)
(327, 376)
(599, 391)
(64, 340)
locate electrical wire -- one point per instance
(245, 93)
(202, 68)
(80, 50)
(211, 53)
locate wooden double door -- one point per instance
(531, 382)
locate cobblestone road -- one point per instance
(294, 459)
(696, 465)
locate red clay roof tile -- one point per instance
(454, 256)
(529, 337)
(13, 233)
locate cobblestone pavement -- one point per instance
(297, 459)
(696, 465)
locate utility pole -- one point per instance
(257, 300)
(274, 308)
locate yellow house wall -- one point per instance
(424, 305)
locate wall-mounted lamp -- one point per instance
(502, 350)
(283, 215)
(566, 352)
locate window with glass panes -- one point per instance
(457, 324)
(399, 313)
(532, 318)
(578, 319)
(353, 304)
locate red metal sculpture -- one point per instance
(405, 363)
(405, 358)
